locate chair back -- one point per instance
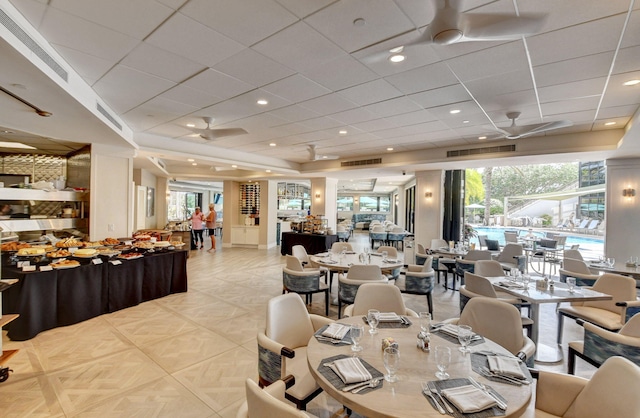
(288, 321)
(337, 247)
(381, 296)
(420, 249)
(632, 327)
(479, 285)
(622, 288)
(427, 267)
(561, 240)
(612, 391)
(548, 243)
(496, 320)
(439, 243)
(482, 239)
(300, 253)
(391, 251)
(488, 268)
(364, 272)
(576, 266)
(378, 229)
(492, 244)
(511, 237)
(474, 255)
(510, 251)
(294, 263)
(262, 404)
(574, 254)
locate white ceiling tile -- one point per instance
(627, 60)
(412, 118)
(632, 32)
(371, 92)
(558, 107)
(124, 88)
(393, 107)
(90, 67)
(582, 68)
(153, 60)
(32, 10)
(618, 94)
(218, 84)
(345, 71)
(190, 39)
(296, 88)
(322, 123)
(193, 96)
(244, 21)
(578, 89)
(300, 47)
(424, 78)
(500, 59)
(303, 8)
(352, 116)
(617, 112)
(295, 113)
(328, 104)
(438, 97)
(375, 125)
(261, 121)
(466, 109)
(244, 64)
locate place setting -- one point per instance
(351, 374)
(376, 319)
(502, 368)
(453, 334)
(337, 334)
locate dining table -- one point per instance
(538, 295)
(342, 262)
(404, 397)
(619, 267)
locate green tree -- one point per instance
(474, 190)
(487, 180)
(532, 179)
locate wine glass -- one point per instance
(571, 282)
(385, 254)
(443, 358)
(391, 363)
(464, 336)
(373, 317)
(526, 279)
(611, 261)
(425, 321)
(357, 330)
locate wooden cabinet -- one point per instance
(245, 235)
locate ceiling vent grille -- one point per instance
(484, 150)
(107, 115)
(370, 161)
(17, 31)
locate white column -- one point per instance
(324, 199)
(429, 208)
(622, 238)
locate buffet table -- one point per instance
(50, 299)
(313, 243)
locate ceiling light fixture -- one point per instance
(397, 58)
(465, 121)
(342, 132)
(190, 160)
(273, 144)
(482, 137)
(609, 123)
(17, 145)
(262, 102)
(190, 125)
(268, 171)
(631, 82)
(234, 166)
(39, 111)
(390, 149)
(359, 22)
(397, 50)
(454, 111)
(194, 163)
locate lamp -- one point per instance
(317, 195)
(428, 195)
(628, 192)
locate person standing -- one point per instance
(211, 225)
(196, 227)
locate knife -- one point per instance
(489, 392)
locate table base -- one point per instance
(548, 354)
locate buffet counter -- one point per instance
(313, 243)
(49, 299)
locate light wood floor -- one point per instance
(186, 355)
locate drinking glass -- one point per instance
(464, 336)
(385, 254)
(373, 317)
(526, 279)
(425, 321)
(443, 358)
(571, 282)
(357, 331)
(611, 261)
(391, 363)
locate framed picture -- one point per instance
(151, 201)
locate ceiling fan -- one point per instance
(314, 156)
(213, 133)
(517, 132)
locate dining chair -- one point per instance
(510, 236)
(395, 237)
(357, 275)
(608, 314)
(599, 344)
(381, 296)
(418, 280)
(437, 243)
(511, 256)
(500, 322)
(579, 270)
(611, 392)
(482, 240)
(270, 401)
(573, 253)
(467, 263)
(338, 247)
(301, 254)
(392, 253)
(282, 347)
(343, 233)
(296, 279)
(377, 234)
(478, 286)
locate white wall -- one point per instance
(142, 177)
(622, 237)
(429, 211)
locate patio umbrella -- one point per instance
(473, 208)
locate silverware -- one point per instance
(434, 390)
(427, 392)
(372, 384)
(489, 392)
(514, 380)
(334, 341)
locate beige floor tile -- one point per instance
(157, 328)
(240, 329)
(32, 397)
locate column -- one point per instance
(429, 213)
(622, 236)
(324, 199)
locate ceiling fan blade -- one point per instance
(220, 133)
(548, 127)
(497, 27)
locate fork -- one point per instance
(434, 390)
(513, 380)
(489, 392)
(372, 384)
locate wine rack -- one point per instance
(250, 199)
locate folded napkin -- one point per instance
(511, 285)
(335, 331)
(450, 329)
(507, 366)
(390, 317)
(469, 399)
(330, 262)
(350, 370)
(391, 260)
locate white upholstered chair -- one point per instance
(573, 253)
(381, 296)
(512, 256)
(358, 274)
(270, 401)
(297, 279)
(300, 253)
(338, 247)
(612, 391)
(282, 346)
(392, 253)
(579, 270)
(418, 280)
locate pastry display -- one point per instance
(130, 256)
(31, 251)
(162, 244)
(107, 251)
(14, 246)
(64, 264)
(85, 252)
(142, 237)
(58, 254)
(110, 241)
(147, 245)
(177, 244)
(68, 243)
(92, 244)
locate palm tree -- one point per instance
(486, 181)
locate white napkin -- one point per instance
(389, 317)
(511, 285)
(450, 329)
(507, 366)
(335, 331)
(350, 370)
(469, 399)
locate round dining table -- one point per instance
(338, 262)
(404, 397)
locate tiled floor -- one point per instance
(185, 355)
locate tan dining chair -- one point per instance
(511, 256)
(270, 401)
(282, 347)
(392, 253)
(607, 314)
(612, 391)
(418, 280)
(573, 254)
(338, 247)
(579, 270)
(301, 254)
(296, 279)
(381, 296)
(357, 275)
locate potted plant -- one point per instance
(468, 233)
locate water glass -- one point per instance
(425, 321)
(611, 261)
(443, 358)
(385, 254)
(571, 283)
(391, 363)
(373, 317)
(464, 337)
(357, 331)
(526, 279)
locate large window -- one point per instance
(183, 204)
(345, 203)
(375, 203)
(592, 205)
(294, 204)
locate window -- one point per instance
(592, 205)
(375, 203)
(182, 205)
(345, 203)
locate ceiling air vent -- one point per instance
(107, 115)
(483, 150)
(370, 161)
(17, 31)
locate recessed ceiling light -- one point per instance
(390, 149)
(397, 50)
(609, 123)
(482, 137)
(268, 171)
(359, 22)
(454, 111)
(8, 132)
(273, 144)
(324, 157)
(397, 58)
(190, 160)
(262, 102)
(234, 166)
(190, 125)
(342, 132)
(631, 82)
(194, 163)
(465, 121)
(19, 145)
